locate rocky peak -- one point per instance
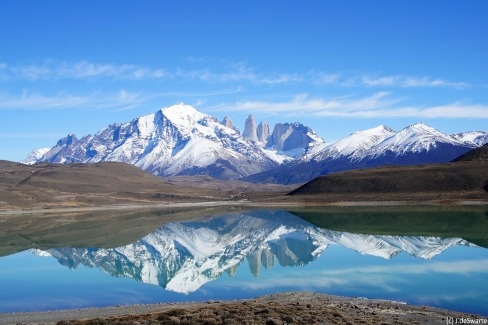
(67, 140)
(263, 132)
(250, 130)
(288, 136)
(228, 123)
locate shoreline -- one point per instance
(245, 202)
(280, 308)
(122, 207)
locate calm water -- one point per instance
(245, 254)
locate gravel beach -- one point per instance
(282, 308)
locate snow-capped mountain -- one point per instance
(180, 140)
(477, 137)
(356, 145)
(34, 156)
(176, 140)
(379, 146)
(381, 143)
(184, 256)
(294, 140)
(419, 139)
(287, 142)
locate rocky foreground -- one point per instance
(282, 308)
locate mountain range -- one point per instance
(466, 175)
(380, 146)
(183, 256)
(180, 140)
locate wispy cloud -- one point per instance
(409, 82)
(380, 104)
(385, 277)
(36, 101)
(389, 81)
(54, 70)
(452, 110)
(118, 100)
(464, 267)
(303, 104)
(281, 79)
(239, 72)
(217, 92)
(322, 78)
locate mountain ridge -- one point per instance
(175, 140)
(180, 140)
(416, 144)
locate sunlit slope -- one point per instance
(46, 185)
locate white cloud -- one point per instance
(454, 110)
(465, 267)
(280, 79)
(380, 104)
(119, 100)
(36, 101)
(55, 70)
(392, 81)
(326, 78)
(240, 72)
(377, 105)
(207, 75)
(384, 277)
(408, 82)
(199, 102)
(302, 104)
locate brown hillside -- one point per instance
(466, 179)
(48, 185)
(477, 154)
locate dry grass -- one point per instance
(77, 185)
(447, 180)
(286, 308)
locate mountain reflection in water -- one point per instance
(183, 256)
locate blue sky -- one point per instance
(336, 66)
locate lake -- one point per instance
(434, 256)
